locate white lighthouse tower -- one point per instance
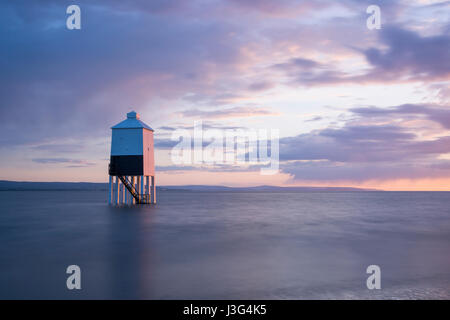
(132, 164)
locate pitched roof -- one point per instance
(132, 122)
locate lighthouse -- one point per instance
(132, 164)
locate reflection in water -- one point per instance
(226, 245)
(126, 252)
(130, 251)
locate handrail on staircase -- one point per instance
(140, 198)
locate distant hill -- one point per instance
(50, 186)
(205, 188)
(88, 186)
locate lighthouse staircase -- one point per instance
(140, 198)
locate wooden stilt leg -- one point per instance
(116, 191)
(153, 190)
(134, 185)
(110, 190)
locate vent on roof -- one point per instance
(133, 115)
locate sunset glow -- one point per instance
(354, 107)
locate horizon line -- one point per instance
(234, 187)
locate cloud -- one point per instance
(236, 112)
(168, 143)
(167, 128)
(296, 64)
(58, 148)
(383, 150)
(316, 118)
(57, 82)
(410, 56)
(175, 168)
(348, 144)
(309, 72)
(205, 125)
(213, 57)
(165, 144)
(261, 86)
(73, 163)
(83, 82)
(217, 167)
(373, 144)
(406, 56)
(436, 113)
(359, 172)
(279, 8)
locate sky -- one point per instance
(355, 107)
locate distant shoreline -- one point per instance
(6, 185)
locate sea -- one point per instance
(226, 245)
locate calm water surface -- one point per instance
(197, 245)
